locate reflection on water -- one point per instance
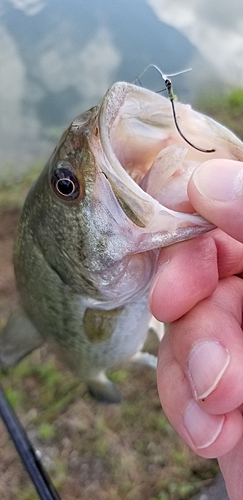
(214, 28)
(59, 57)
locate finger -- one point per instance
(229, 254)
(231, 467)
(216, 192)
(208, 435)
(208, 345)
(187, 273)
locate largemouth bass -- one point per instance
(112, 194)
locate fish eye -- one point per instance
(65, 184)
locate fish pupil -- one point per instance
(65, 187)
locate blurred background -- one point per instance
(57, 59)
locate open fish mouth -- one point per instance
(146, 160)
(149, 164)
(137, 126)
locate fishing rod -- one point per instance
(36, 471)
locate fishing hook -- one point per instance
(36, 471)
(172, 97)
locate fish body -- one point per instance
(92, 225)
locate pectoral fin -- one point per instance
(144, 359)
(157, 327)
(18, 338)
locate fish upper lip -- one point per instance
(117, 98)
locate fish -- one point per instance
(113, 193)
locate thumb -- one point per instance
(216, 192)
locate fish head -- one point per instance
(56, 219)
(114, 192)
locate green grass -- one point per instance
(14, 188)
(225, 108)
(46, 431)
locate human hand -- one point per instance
(196, 290)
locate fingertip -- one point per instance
(213, 436)
(219, 179)
(215, 190)
(208, 435)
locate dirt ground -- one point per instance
(127, 451)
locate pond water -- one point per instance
(58, 57)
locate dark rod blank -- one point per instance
(37, 473)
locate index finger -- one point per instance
(189, 271)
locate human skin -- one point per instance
(199, 292)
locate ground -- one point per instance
(91, 451)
